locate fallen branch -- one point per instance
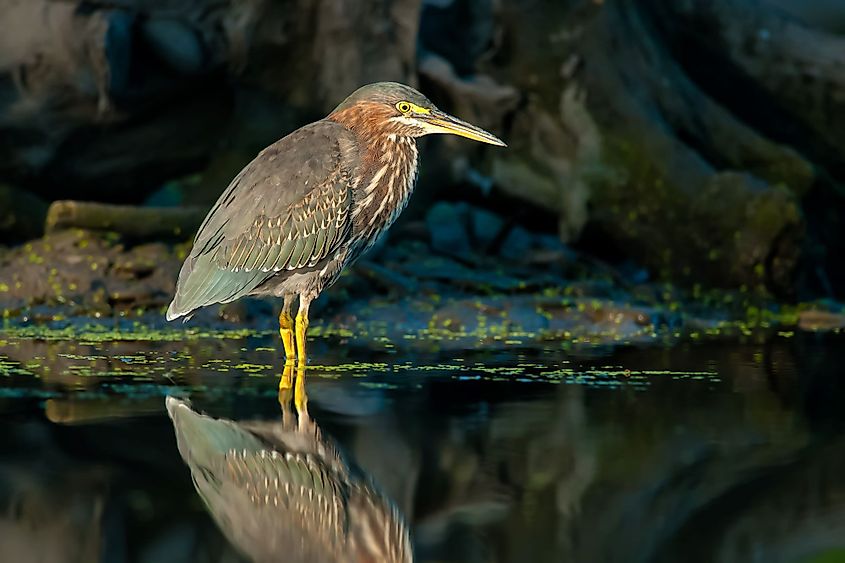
(131, 221)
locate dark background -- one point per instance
(697, 142)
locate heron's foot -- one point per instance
(286, 329)
(301, 329)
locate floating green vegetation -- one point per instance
(521, 372)
(91, 334)
(350, 367)
(435, 367)
(253, 368)
(329, 330)
(9, 367)
(81, 357)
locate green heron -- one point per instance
(311, 203)
(283, 491)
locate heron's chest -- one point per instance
(383, 195)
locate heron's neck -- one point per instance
(390, 164)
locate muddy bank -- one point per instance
(77, 272)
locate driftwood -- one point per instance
(130, 221)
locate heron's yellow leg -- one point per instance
(301, 329)
(286, 331)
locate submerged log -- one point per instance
(144, 223)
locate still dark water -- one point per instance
(707, 452)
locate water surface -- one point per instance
(706, 452)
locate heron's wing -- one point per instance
(288, 209)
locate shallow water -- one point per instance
(706, 452)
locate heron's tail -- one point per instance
(172, 312)
(202, 283)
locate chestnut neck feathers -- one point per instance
(389, 167)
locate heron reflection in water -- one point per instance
(282, 491)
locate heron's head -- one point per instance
(396, 108)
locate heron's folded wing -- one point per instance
(288, 209)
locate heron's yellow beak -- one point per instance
(441, 122)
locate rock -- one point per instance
(525, 316)
(176, 43)
(549, 252)
(452, 273)
(386, 278)
(485, 227)
(83, 272)
(517, 244)
(447, 229)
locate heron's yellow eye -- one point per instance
(404, 107)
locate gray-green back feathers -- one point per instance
(287, 209)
